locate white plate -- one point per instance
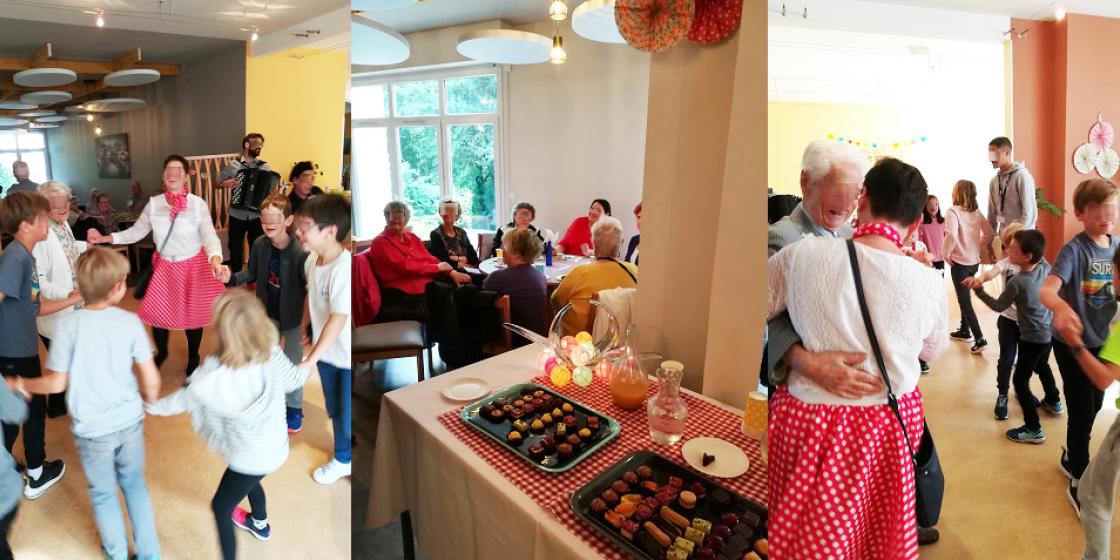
(466, 389)
(730, 460)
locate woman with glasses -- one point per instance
(187, 264)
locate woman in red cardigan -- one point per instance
(405, 271)
(577, 240)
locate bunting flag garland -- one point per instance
(877, 144)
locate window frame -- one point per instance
(443, 123)
(19, 152)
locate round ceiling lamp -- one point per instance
(12, 121)
(43, 113)
(375, 44)
(46, 97)
(115, 105)
(45, 77)
(16, 106)
(52, 119)
(75, 109)
(132, 77)
(37, 125)
(505, 46)
(594, 20)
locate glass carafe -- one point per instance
(667, 409)
(628, 383)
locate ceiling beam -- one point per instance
(9, 64)
(127, 60)
(75, 88)
(41, 55)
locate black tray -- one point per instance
(498, 431)
(663, 468)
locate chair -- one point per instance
(506, 342)
(398, 339)
(485, 244)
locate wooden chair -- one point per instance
(506, 342)
(485, 244)
(398, 339)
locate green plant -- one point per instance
(1046, 205)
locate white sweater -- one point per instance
(56, 278)
(812, 278)
(239, 412)
(194, 229)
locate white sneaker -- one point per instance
(331, 472)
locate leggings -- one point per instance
(194, 342)
(234, 488)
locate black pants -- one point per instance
(238, 229)
(1033, 357)
(34, 428)
(437, 309)
(233, 488)
(5, 528)
(969, 322)
(939, 265)
(1008, 346)
(194, 342)
(1083, 400)
(56, 402)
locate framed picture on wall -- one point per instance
(113, 161)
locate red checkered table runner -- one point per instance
(553, 490)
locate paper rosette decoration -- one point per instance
(1085, 158)
(1101, 135)
(715, 20)
(1108, 162)
(653, 25)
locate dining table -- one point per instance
(467, 497)
(561, 266)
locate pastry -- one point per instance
(650, 486)
(645, 473)
(538, 394)
(705, 554)
(694, 535)
(598, 505)
(564, 451)
(507, 408)
(719, 500)
(673, 517)
(676, 482)
(751, 556)
(647, 544)
(676, 554)
(520, 426)
(561, 431)
(745, 531)
(546, 419)
(626, 509)
(536, 452)
(698, 489)
(486, 410)
(714, 542)
(706, 459)
(516, 413)
(500, 402)
(566, 408)
(610, 497)
(557, 413)
(751, 518)
(571, 422)
(584, 434)
(685, 545)
(687, 500)
(651, 503)
(658, 535)
(702, 525)
(629, 529)
(593, 423)
(722, 531)
(729, 519)
(620, 487)
(664, 498)
(762, 547)
(514, 438)
(528, 409)
(573, 440)
(537, 426)
(643, 512)
(668, 528)
(497, 415)
(526, 391)
(737, 545)
(632, 498)
(630, 477)
(614, 518)
(549, 444)
(518, 403)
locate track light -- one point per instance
(100, 18)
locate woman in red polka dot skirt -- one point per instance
(186, 267)
(840, 473)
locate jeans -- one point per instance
(113, 459)
(231, 490)
(1083, 400)
(969, 322)
(1033, 357)
(238, 230)
(292, 341)
(1097, 494)
(337, 385)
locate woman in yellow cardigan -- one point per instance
(605, 273)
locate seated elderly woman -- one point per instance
(605, 273)
(449, 242)
(523, 216)
(405, 271)
(526, 286)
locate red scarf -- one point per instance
(880, 229)
(178, 202)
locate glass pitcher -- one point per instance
(628, 383)
(667, 410)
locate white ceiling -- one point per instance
(1034, 9)
(434, 14)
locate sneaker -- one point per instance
(331, 472)
(1001, 407)
(1054, 408)
(1023, 434)
(928, 535)
(980, 345)
(52, 473)
(1063, 464)
(960, 335)
(295, 420)
(1071, 493)
(242, 519)
(925, 366)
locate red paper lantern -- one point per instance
(715, 20)
(654, 25)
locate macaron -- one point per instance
(687, 500)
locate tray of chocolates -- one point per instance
(656, 509)
(547, 429)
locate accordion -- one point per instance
(253, 186)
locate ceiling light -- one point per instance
(89, 118)
(100, 18)
(97, 130)
(558, 10)
(1060, 14)
(557, 54)
(255, 37)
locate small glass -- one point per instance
(667, 410)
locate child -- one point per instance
(966, 231)
(91, 358)
(24, 215)
(235, 399)
(1033, 330)
(1080, 292)
(322, 224)
(277, 264)
(915, 248)
(931, 231)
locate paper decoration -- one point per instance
(1085, 158)
(1097, 152)
(654, 25)
(879, 143)
(1101, 135)
(1108, 163)
(715, 20)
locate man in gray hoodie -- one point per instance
(1011, 196)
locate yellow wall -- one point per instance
(298, 104)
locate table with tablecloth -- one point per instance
(561, 266)
(470, 498)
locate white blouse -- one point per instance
(812, 278)
(56, 278)
(194, 229)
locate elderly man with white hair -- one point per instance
(607, 272)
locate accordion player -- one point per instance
(253, 186)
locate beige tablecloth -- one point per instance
(461, 508)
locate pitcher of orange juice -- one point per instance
(629, 384)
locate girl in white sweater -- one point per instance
(236, 399)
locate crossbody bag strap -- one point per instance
(169, 230)
(892, 401)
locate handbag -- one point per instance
(146, 276)
(929, 480)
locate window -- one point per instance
(29, 147)
(421, 137)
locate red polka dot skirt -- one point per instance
(181, 294)
(841, 480)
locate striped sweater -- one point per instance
(240, 413)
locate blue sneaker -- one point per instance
(1023, 434)
(295, 420)
(242, 519)
(1054, 408)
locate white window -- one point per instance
(28, 147)
(420, 137)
